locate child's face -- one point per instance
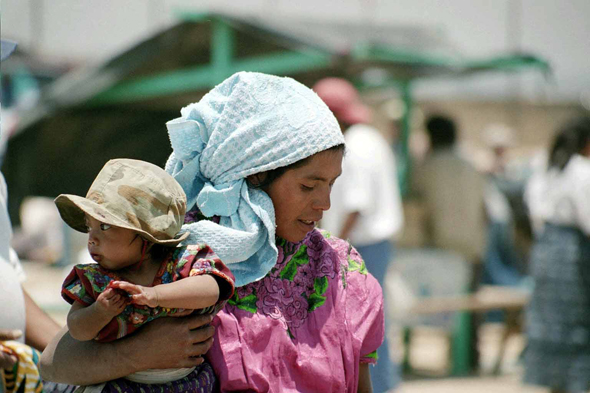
(112, 247)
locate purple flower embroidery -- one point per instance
(277, 299)
(280, 262)
(244, 291)
(322, 257)
(304, 279)
(315, 243)
(286, 300)
(328, 264)
(296, 311)
(270, 296)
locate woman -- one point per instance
(558, 317)
(257, 157)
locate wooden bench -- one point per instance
(488, 298)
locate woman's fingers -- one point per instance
(7, 335)
(196, 321)
(200, 348)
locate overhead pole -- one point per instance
(222, 49)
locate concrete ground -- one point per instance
(429, 353)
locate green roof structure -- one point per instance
(119, 108)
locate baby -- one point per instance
(132, 213)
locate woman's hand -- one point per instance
(172, 342)
(163, 343)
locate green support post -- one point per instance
(222, 49)
(461, 344)
(406, 161)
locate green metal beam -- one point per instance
(386, 55)
(508, 63)
(192, 16)
(206, 77)
(389, 55)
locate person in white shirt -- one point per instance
(366, 204)
(21, 319)
(558, 316)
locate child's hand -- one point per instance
(110, 302)
(144, 296)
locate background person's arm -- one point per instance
(40, 327)
(163, 343)
(348, 225)
(365, 385)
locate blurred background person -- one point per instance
(451, 192)
(504, 206)
(366, 204)
(558, 317)
(21, 319)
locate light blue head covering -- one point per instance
(248, 124)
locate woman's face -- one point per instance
(302, 194)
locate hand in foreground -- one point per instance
(143, 296)
(111, 302)
(7, 357)
(172, 342)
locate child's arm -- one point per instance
(191, 293)
(85, 322)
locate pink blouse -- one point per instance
(305, 327)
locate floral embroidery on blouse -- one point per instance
(297, 285)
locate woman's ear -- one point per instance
(256, 179)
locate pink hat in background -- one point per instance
(343, 100)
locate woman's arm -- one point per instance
(163, 343)
(191, 293)
(365, 385)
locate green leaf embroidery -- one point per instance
(354, 266)
(320, 285)
(247, 303)
(315, 301)
(290, 270)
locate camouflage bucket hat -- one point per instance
(130, 194)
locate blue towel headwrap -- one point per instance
(248, 124)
